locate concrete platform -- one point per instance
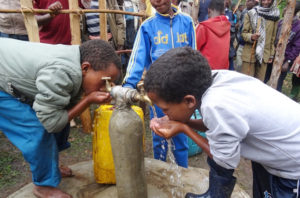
(161, 177)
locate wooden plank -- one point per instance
(75, 23)
(103, 20)
(195, 11)
(30, 21)
(281, 46)
(75, 11)
(85, 116)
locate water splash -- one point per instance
(173, 170)
(175, 173)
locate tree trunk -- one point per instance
(283, 39)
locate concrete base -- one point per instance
(160, 178)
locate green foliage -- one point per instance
(282, 4)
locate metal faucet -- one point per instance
(143, 95)
(126, 94)
(107, 83)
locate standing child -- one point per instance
(259, 31)
(238, 63)
(241, 115)
(166, 30)
(39, 87)
(212, 33)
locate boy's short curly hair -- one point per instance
(217, 5)
(99, 54)
(177, 73)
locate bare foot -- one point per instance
(49, 192)
(65, 171)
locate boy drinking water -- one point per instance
(166, 30)
(242, 117)
(40, 85)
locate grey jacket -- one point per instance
(12, 23)
(48, 75)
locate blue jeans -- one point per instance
(266, 185)
(160, 145)
(20, 125)
(14, 36)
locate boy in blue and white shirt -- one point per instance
(167, 29)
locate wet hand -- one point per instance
(158, 120)
(255, 36)
(99, 97)
(166, 128)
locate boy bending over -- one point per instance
(40, 85)
(242, 117)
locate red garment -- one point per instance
(213, 41)
(58, 30)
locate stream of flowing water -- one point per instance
(173, 170)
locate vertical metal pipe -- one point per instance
(126, 136)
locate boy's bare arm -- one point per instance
(197, 124)
(46, 18)
(96, 97)
(198, 139)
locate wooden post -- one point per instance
(281, 46)
(75, 23)
(195, 10)
(30, 21)
(142, 6)
(85, 116)
(103, 21)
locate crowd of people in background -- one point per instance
(253, 33)
(239, 37)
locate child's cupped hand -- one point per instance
(166, 128)
(98, 97)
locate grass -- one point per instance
(8, 174)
